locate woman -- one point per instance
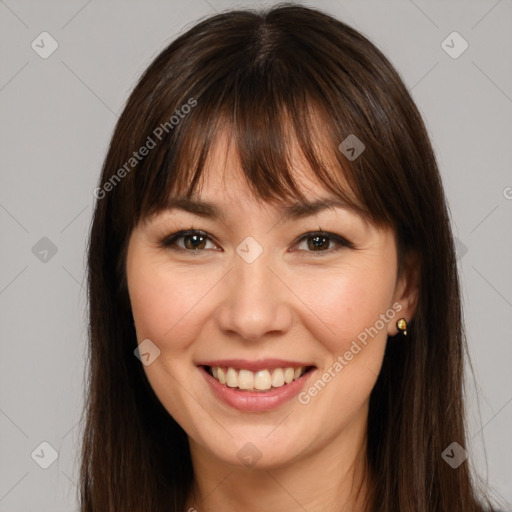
(275, 319)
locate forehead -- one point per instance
(223, 178)
(224, 190)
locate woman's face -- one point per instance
(261, 294)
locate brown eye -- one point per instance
(323, 242)
(192, 241)
(318, 242)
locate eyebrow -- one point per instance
(290, 211)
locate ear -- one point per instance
(406, 292)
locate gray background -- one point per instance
(58, 115)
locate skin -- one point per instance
(292, 303)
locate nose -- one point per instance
(256, 303)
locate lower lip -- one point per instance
(252, 400)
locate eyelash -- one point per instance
(169, 241)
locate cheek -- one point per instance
(166, 304)
(352, 309)
(347, 303)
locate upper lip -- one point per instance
(261, 364)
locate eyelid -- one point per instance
(333, 237)
(168, 241)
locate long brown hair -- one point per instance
(264, 74)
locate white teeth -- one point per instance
(245, 379)
(232, 378)
(277, 377)
(262, 380)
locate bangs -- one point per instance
(272, 116)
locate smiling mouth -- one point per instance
(260, 381)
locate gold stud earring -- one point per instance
(402, 326)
